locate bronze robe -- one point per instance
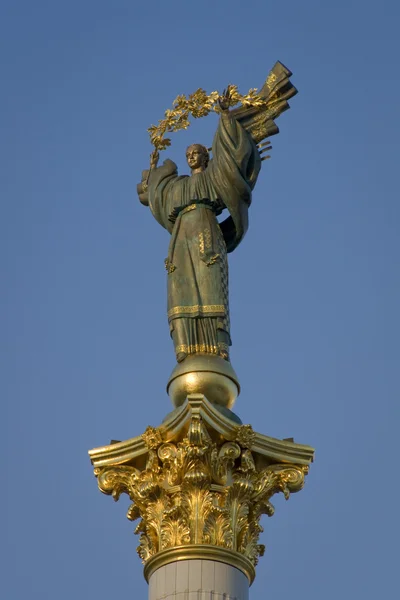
(187, 206)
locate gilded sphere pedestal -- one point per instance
(204, 374)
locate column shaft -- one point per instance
(198, 580)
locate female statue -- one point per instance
(188, 207)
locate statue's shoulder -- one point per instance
(170, 169)
(169, 166)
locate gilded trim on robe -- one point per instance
(193, 348)
(216, 309)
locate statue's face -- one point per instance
(195, 157)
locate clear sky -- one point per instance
(315, 286)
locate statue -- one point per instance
(189, 206)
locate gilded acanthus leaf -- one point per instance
(217, 528)
(175, 532)
(144, 549)
(154, 519)
(133, 512)
(197, 505)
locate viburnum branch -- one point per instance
(199, 104)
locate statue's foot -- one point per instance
(181, 356)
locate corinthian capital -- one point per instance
(201, 480)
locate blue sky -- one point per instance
(315, 287)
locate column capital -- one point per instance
(200, 480)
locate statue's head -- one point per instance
(197, 157)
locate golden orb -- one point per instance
(206, 374)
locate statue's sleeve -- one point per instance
(236, 157)
(163, 192)
(233, 173)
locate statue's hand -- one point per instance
(224, 100)
(154, 158)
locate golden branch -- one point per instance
(197, 105)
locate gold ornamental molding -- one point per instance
(266, 450)
(200, 480)
(200, 552)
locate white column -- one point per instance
(198, 580)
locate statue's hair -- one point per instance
(204, 151)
